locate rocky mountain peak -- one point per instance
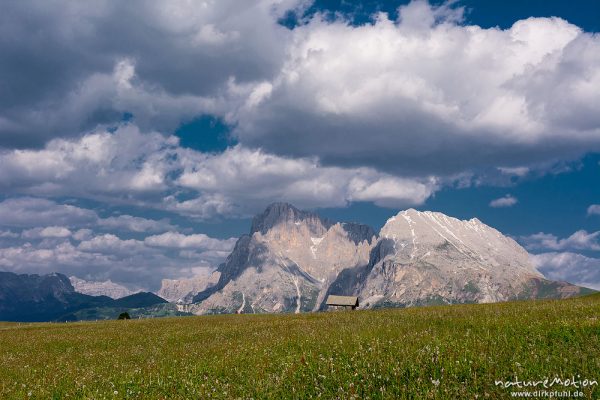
(98, 288)
(285, 213)
(29, 290)
(293, 259)
(54, 284)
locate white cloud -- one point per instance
(506, 201)
(123, 164)
(102, 60)
(387, 190)
(254, 178)
(46, 236)
(150, 170)
(8, 234)
(326, 113)
(570, 267)
(32, 212)
(427, 95)
(45, 215)
(83, 234)
(594, 209)
(135, 263)
(580, 240)
(419, 96)
(198, 241)
(47, 232)
(110, 244)
(80, 245)
(514, 171)
(135, 224)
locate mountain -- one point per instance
(430, 258)
(138, 300)
(286, 263)
(95, 288)
(183, 290)
(292, 259)
(52, 297)
(41, 298)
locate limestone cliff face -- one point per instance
(428, 257)
(184, 290)
(286, 263)
(104, 288)
(292, 259)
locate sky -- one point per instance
(138, 139)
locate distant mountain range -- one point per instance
(53, 298)
(292, 260)
(95, 288)
(183, 290)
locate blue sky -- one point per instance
(137, 140)
(583, 13)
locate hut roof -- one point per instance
(334, 300)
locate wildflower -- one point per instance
(436, 382)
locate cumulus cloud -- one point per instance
(506, 201)
(129, 167)
(571, 267)
(514, 171)
(580, 240)
(135, 224)
(47, 232)
(244, 176)
(95, 62)
(125, 163)
(421, 95)
(404, 105)
(45, 215)
(84, 244)
(83, 234)
(31, 212)
(594, 209)
(153, 171)
(8, 234)
(179, 240)
(132, 262)
(425, 94)
(111, 245)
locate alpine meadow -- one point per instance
(438, 352)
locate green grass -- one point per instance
(393, 353)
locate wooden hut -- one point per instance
(345, 302)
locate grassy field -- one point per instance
(445, 352)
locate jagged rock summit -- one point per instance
(286, 214)
(292, 259)
(100, 288)
(429, 258)
(286, 263)
(183, 290)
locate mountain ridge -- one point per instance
(100, 288)
(292, 259)
(52, 297)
